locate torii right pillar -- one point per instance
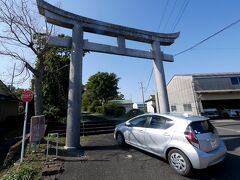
(162, 96)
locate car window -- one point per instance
(159, 122)
(139, 122)
(200, 127)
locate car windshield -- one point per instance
(200, 127)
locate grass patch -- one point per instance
(33, 163)
(23, 172)
(29, 169)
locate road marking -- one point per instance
(228, 129)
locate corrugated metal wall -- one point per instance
(180, 92)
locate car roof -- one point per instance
(178, 116)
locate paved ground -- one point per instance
(105, 160)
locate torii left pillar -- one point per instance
(75, 90)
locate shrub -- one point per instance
(91, 109)
(51, 112)
(113, 109)
(100, 109)
(133, 112)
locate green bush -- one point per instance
(91, 109)
(100, 109)
(51, 112)
(133, 112)
(113, 109)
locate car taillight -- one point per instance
(191, 137)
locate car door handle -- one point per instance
(141, 130)
(166, 134)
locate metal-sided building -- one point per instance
(193, 93)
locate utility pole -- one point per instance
(141, 83)
(13, 74)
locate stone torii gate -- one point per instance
(79, 25)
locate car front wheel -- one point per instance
(179, 162)
(120, 139)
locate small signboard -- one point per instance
(27, 96)
(37, 128)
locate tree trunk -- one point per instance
(38, 98)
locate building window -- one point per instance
(235, 80)
(187, 107)
(174, 108)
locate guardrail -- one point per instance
(86, 128)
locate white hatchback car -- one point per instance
(185, 141)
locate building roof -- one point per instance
(5, 93)
(208, 75)
(211, 74)
(122, 101)
(151, 98)
(4, 90)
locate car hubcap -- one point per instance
(178, 162)
(119, 139)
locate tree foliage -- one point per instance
(55, 82)
(100, 88)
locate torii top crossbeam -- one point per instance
(66, 19)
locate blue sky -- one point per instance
(200, 19)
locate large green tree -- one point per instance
(100, 88)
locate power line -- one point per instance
(141, 83)
(209, 37)
(150, 77)
(163, 15)
(170, 15)
(181, 12)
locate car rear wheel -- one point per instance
(179, 162)
(120, 139)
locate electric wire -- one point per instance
(170, 14)
(209, 37)
(181, 12)
(163, 15)
(150, 77)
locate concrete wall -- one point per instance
(180, 92)
(8, 108)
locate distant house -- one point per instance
(138, 106)
(127, 104)
(151, 104)
(8, 103)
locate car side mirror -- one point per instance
(128, 124)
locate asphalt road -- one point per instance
(105, 160)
